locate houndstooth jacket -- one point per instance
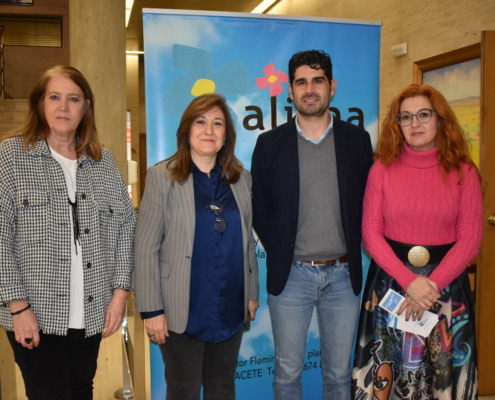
(35, 237)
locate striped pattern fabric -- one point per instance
(164, 245)
(35, 257)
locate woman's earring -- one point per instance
(224, 143)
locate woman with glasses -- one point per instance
(196, 271)
(422, 226)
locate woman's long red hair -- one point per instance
(452, 147)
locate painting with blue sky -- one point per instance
(245, 57)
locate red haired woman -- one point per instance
(422, 226)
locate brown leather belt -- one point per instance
(342, 259)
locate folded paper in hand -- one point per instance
(423, 327)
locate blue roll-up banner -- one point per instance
(245, 57)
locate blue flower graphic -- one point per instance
(198, 64)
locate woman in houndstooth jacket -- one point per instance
(66, 231)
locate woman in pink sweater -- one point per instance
(421, 225)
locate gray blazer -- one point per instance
(164, 244)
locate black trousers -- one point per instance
(61, 367)
(190, 364)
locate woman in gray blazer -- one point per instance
(196, 272)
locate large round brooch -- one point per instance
(418, 256)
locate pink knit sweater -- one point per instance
(410, 202)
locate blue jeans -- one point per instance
(328, 287)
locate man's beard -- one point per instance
(311, 110)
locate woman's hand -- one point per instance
(115, 312)
(252, 308)
(25, 325)
(157, 328)
(424, 292)
(412, 309)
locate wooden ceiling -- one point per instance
(134, 31)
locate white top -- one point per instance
(76, 310)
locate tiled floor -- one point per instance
(487, 398)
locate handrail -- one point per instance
(126, 392)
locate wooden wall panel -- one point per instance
(132, 75)
(7, 369)
(24, 65)
(97, 33)
(485, 277)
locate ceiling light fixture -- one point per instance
(263, 6)
(128, 10)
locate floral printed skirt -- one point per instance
(392, 364)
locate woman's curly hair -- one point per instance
(452, 147)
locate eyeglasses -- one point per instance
(423, 116)
(217, 208)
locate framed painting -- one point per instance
(457, 76)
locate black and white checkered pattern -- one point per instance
(35, 257)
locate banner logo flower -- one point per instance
(273, 79)
(231, 79)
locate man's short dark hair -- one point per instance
(316, 59)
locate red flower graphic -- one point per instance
(272, 79)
